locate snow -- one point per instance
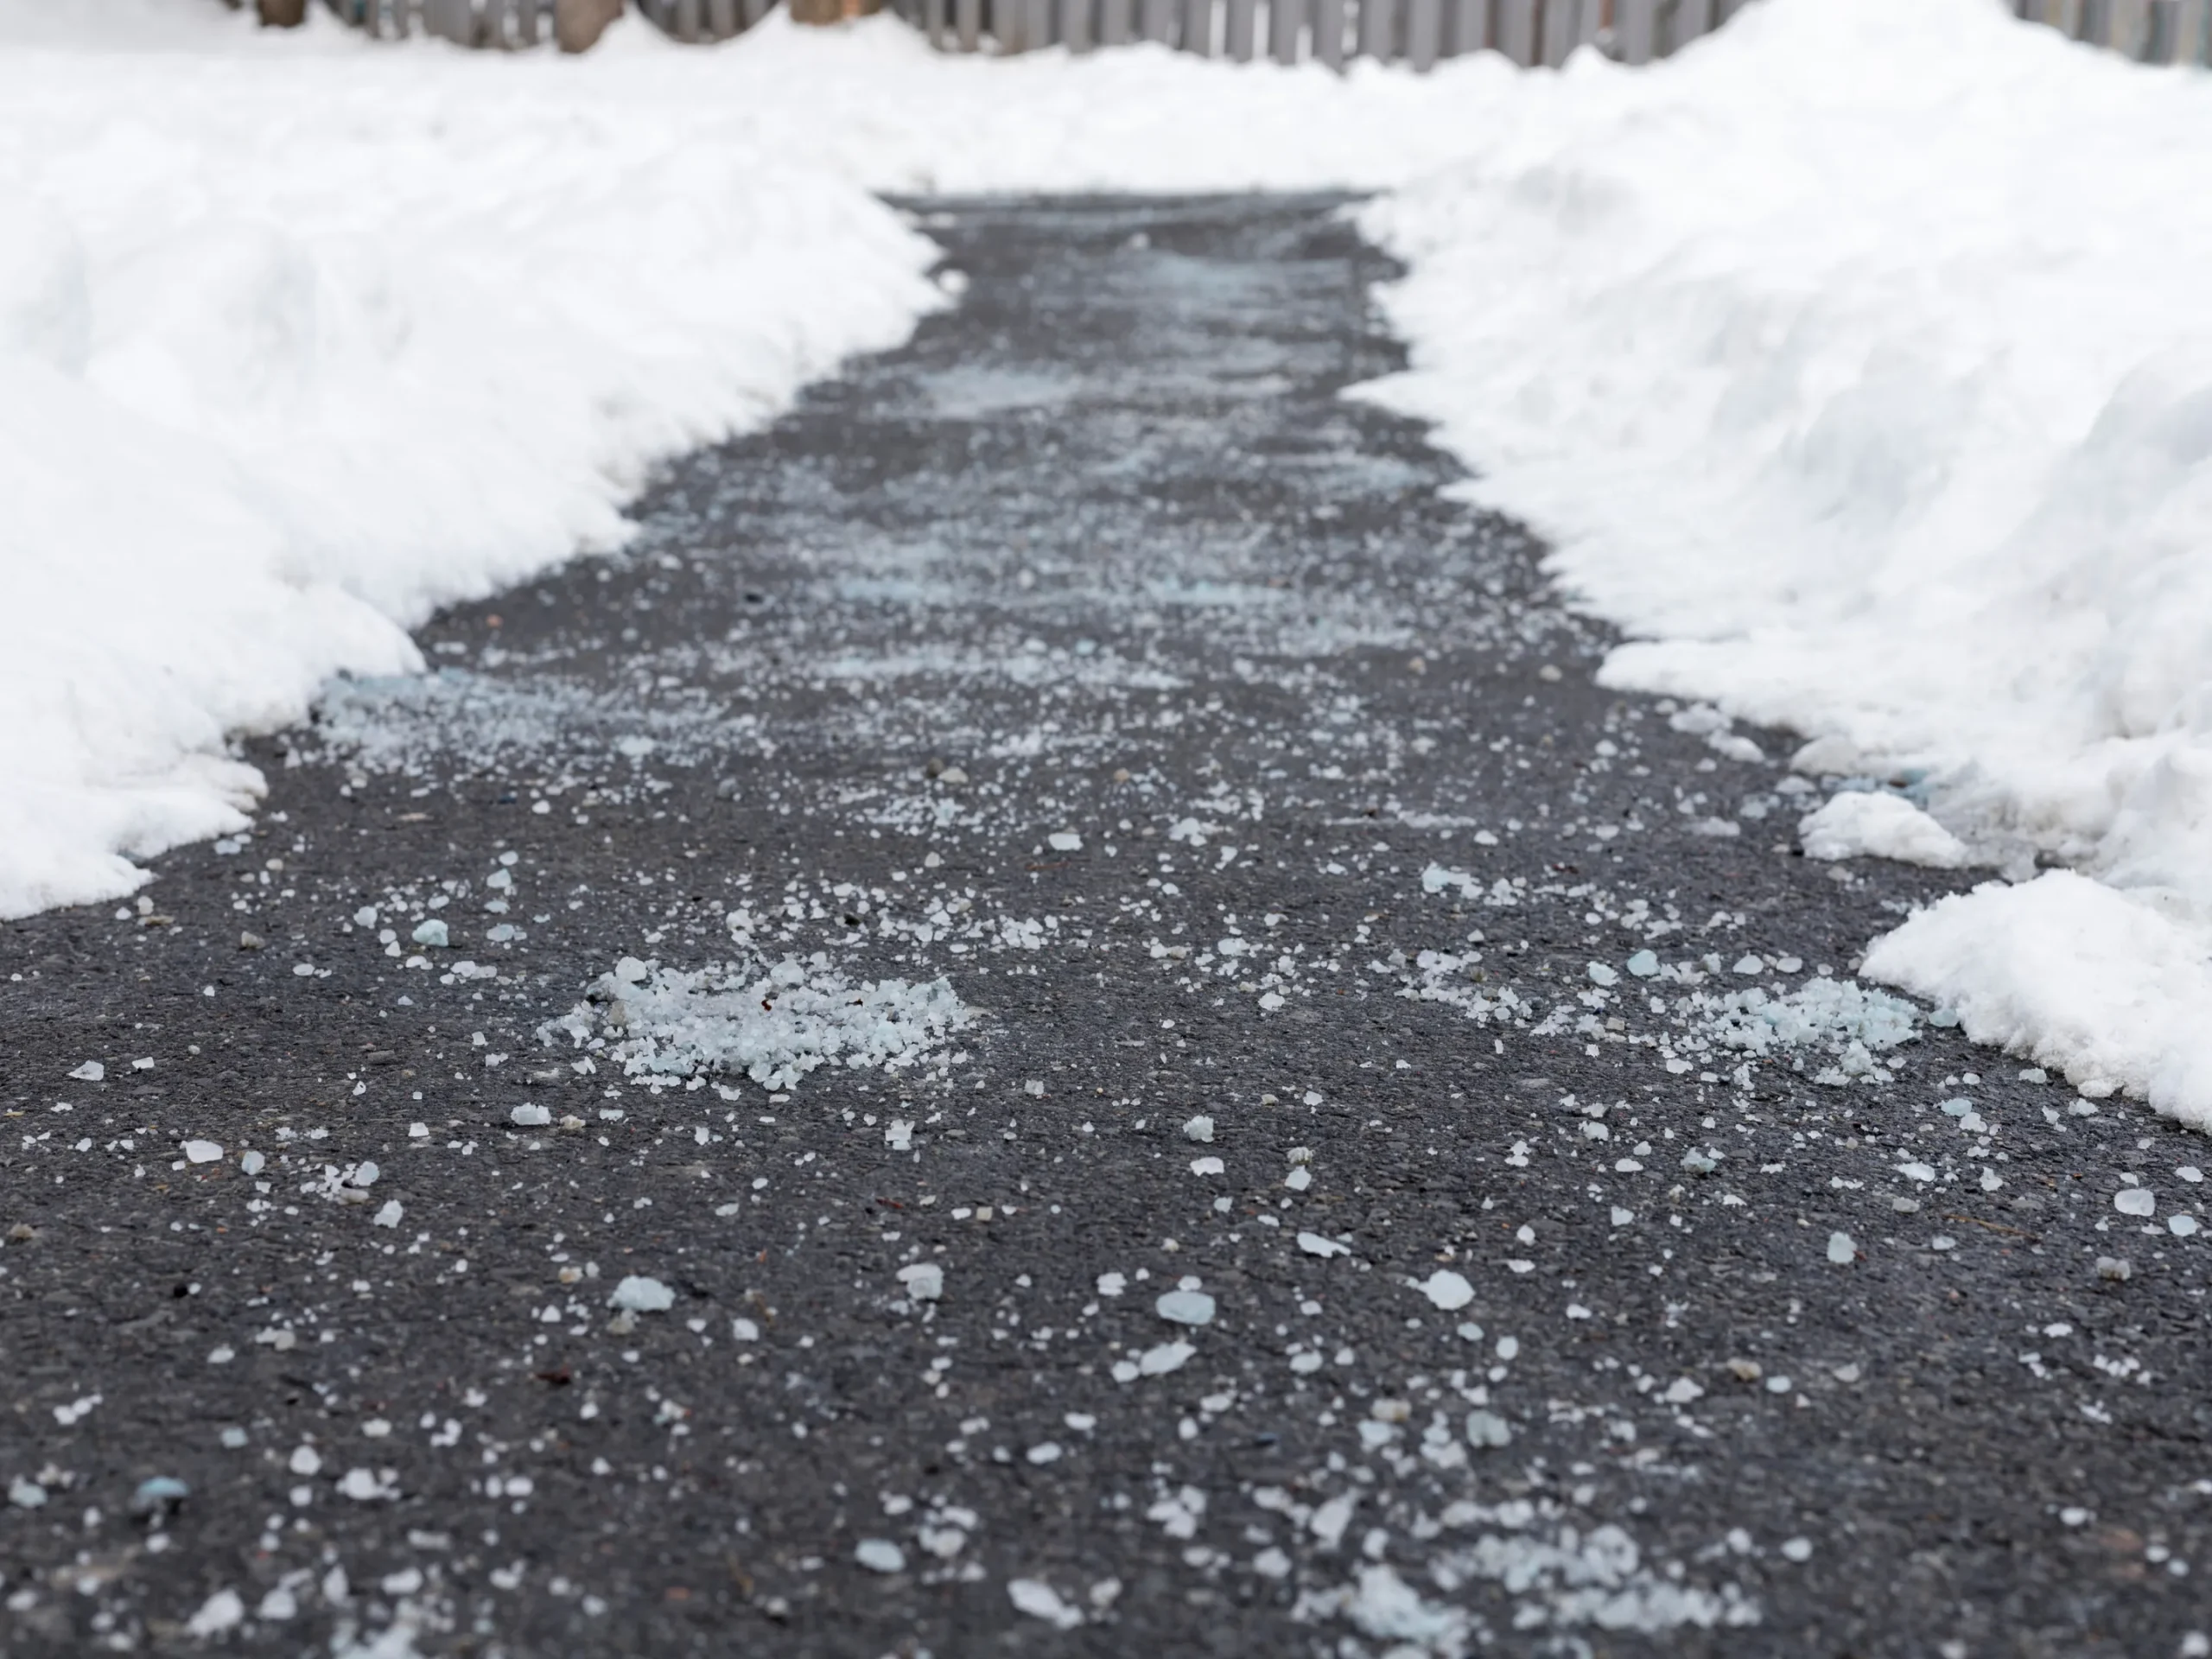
(1880, 322)
(1877, 318)
(1861, 822)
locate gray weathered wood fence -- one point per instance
(1419, 33)
(2149, 31)
(512, 25)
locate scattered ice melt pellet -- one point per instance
(305, 1460)
(1622, 1218)
(26, 1494)
(2134, 1201)
(1314, 1244)
(925, 1281)
(898, 1134)
(1487, 1429)
(1199, 1128)
(1645, 964)
(202, 1152)
(530, 1117)
(1299, 1179)
(89, 1071)
(2181, 1226)
(1186, 1307)
(1112, 1284)
(1207, 1166)
(2117, 1269)
(1039, 1601)
(158, 1494)
(253, 1163)
(221, 1612)
(1034, 1088)
(1448, 1290)
(744, 1330)
(1330, 1519)
(2190, 1173)
(880, 1555)
(1047, 1451)
(1167, 1357)
(1797, 1549)
(1841, 1250)
(1064, 840)
(365, 916)
(362, 1486)
(636, 1294)
(1789, 964)
(1749, 965)
(390, 1215)
(1681, 1391)
(1918, 1172)
(1601, 975)
(432, 933)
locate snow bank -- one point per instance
(1857, 362)
(301, 336)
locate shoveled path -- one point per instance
(1095, 653)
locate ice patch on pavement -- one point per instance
(1558, 1576)
(1835, 1018)
(1863, 822)
(773, 1026)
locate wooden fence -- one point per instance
(512, 25)
(1418, 33)
(2149, 31)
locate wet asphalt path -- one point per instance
(1093, 655)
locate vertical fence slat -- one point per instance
(1693, 18)
(932, 22)
(1466, 27)
(1156, 21)
(1635, 30)
(1113, 22)
(1236, 32)
(2193, 32)
(1558, 32)
(1076, 25)
(1198, 27)
(1329, 32)
(1378, 29)
(967, 23)
(1424, 34)
(1284, 18)
(1517, 30)
(721, 19)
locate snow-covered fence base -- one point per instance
(1419, 33)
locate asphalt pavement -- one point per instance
(1055, 1017)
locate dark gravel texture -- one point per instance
(1107, 539)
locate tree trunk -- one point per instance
(577, 24)
(282, 14)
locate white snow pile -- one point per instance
(303, 335)
(1861, 823)
(773, 1026)
(1838, 1018)
(1856, 361)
